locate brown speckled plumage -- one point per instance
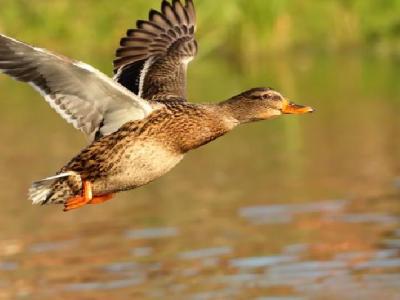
(176, 127)
(140, 125)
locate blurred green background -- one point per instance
(239, 29)
(249, 216)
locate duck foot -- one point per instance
(79, 201)
(100, 199)
(87, 198)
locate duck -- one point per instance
(139, 123)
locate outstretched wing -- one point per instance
(153, 58)
(83, 96)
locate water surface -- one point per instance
(291, 209)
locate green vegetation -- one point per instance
(238, 29)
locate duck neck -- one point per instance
(237, 109)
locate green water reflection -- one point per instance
(298, 207)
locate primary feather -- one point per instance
(152, 58)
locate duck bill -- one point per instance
(296, 109)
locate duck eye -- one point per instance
(276, 97)
(256, 97)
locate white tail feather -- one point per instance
(40, 190)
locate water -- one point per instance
(291, 209)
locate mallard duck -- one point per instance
(140, 124)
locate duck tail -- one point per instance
(54, 190)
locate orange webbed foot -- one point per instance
(100, 199)
(79, 201)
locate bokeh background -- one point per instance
(295, 208)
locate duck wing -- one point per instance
(152, 59)
(82, 95)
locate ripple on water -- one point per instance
(151, 233)
(108, 285)
(348, 286)
(370, 286)
(142, 251)
(348, 256)
(379, 264)
(121, 267)
(306, 266)
(296, 249)
(300, 273)
(284, 213)
(300, 279)
(205, 253)
(8, 266)
(383, 280)
(366, 218)
(386, 253)
(308, 275)
(52, 246)
(132, 267)
(240, 278)
(355, 255)
(261, 261)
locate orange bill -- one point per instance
(293, 108)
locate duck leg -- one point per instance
(79, 201)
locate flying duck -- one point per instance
(139, 124)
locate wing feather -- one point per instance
(166, 40)
(82, 95)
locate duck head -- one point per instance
(261, 104)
